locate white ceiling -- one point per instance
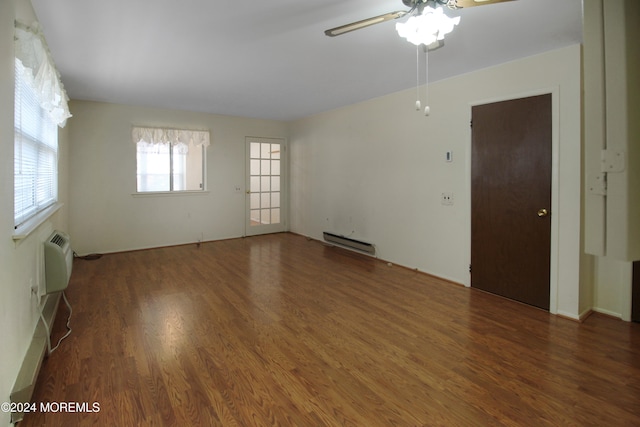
(270, 59)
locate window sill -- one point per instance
(171, 193)
(29, 226)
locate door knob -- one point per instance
(543, 212)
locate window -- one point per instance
(169, 167)
(170, 160)
(35, 152)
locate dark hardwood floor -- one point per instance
(280, 330)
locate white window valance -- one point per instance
(40, 72)
(154, 136)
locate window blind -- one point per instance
(36, 152)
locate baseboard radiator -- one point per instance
(350, 243)
(58, 260)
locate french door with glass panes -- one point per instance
(266, 189)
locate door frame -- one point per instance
(555, 173)
(284, 187)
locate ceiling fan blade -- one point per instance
(364, 23)
(472, 3)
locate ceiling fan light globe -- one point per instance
(428, 27)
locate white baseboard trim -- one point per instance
(608, 312)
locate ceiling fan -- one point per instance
(413, 5)
(426, 27)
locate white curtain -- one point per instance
(153, 136)
(40, 72)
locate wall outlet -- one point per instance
(237, 188)
(446, 199)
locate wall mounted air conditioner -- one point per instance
(58, 262)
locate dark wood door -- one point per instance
(511, 199)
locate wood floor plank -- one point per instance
(280, 330)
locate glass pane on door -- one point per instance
(264, 198)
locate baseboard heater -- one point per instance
(348, 242)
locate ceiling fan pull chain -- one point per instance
(427, 110)
(417, 78)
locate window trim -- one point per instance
(31, 224)
(170, 193)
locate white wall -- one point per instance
(612, 122)
(10, 314)
(376, 170)
(104, 214)
(21, 264)
(612, 289)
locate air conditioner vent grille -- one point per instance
(58, 240)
